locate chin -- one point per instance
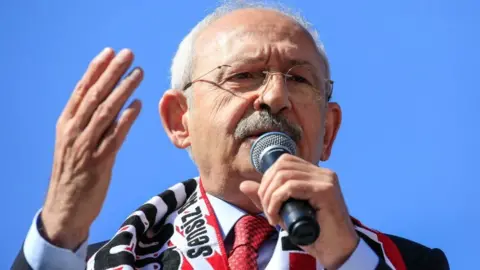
(243, 167)
(248, 172)
(241, 163)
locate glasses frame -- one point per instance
(329, 83)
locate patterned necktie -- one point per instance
(250, 233)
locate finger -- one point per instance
(250, 188)
(107, 112)
(278, 180)
(112, 142)
(104, 86)
(96, 67)
(285, 162)
(297, 189)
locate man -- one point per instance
(240, 73)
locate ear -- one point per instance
(173, 109)
(333, 119)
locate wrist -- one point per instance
(61, 234)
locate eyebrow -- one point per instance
(297, 62)
(253, 59)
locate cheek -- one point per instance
(218, 112)
(312, 122)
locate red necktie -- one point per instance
(250, 233)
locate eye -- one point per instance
(242, 76)
(298, 79)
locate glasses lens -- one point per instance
(242, 80)
(302, 80)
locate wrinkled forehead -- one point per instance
(275, 40)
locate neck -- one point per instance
(226, 187)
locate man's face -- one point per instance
(225, 118)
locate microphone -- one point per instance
(298, 215)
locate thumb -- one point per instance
(250, 188)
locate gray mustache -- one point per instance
(264, 120)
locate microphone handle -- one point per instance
(301, 222)
(298, 215)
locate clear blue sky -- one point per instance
(406, 77)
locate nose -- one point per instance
(274, 95)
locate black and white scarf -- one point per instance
(178, 229)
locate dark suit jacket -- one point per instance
(415, 256)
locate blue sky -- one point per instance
(406, 77)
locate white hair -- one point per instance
(183, 62)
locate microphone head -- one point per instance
(268, 143)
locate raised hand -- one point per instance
(88, 136)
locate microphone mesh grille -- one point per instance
(267, 140)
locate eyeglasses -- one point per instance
(301, 80)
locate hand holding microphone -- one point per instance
(298, 215)
(305, 197)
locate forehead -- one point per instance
(256, 35)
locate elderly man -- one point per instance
(241, 72)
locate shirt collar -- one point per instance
(227, 214)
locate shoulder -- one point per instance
(413, 254)
(418, 256)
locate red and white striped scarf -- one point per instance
(177, 229)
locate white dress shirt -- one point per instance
(41, 255)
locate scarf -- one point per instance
(177, 229)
